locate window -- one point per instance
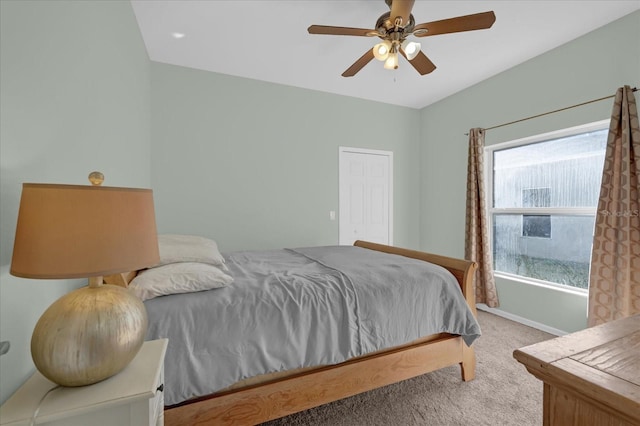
(544, 196)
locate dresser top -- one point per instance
(601, 362)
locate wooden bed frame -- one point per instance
(280, 397)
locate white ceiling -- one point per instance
(267, 40)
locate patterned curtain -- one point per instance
(614, 282)
(476, 244)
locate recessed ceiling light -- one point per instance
(177, 35)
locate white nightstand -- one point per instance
(132, 397)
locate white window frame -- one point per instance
(558, 211)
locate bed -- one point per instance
(309, 361)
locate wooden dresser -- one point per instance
(591, 377)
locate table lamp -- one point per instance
(75, 231)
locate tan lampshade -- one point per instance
(74, 231)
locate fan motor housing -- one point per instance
(385, 24)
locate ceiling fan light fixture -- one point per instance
(395, 26)
(381, 50)
(391, 63)
(411, 49)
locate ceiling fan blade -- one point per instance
(401, 8)
(325, 29)
(421, 63)
(477, 21)
(359, 64)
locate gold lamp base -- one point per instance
(89, 335)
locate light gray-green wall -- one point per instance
(589, 67)
(74, 79)
(254, 165)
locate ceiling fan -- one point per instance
(395, 26)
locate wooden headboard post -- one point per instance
(123, 279)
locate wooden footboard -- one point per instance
(281, 397)
(463, 270)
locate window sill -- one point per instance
(543, 284)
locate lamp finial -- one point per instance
(96, 178)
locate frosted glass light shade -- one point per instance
(411, 49)
(392, 61)
(381, 50)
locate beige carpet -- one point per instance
(503, 393)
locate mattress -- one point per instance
(291, 309)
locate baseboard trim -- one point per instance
(521, 320)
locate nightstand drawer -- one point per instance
(156, 404)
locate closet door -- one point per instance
(366, 201)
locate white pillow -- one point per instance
(183, 277)
(189, 248)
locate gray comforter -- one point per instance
(302, 307)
